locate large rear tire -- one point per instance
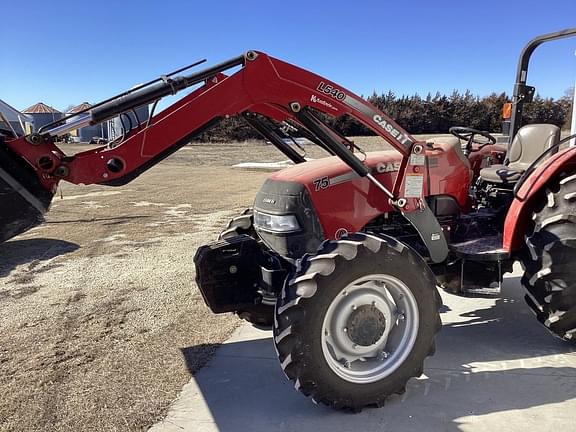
(357, 321)
(261, 315)
(550, 277)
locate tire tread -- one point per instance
(548, 260)
(288, 329)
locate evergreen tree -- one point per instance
(432, 114)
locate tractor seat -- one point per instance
(500, 174)
(529, 142)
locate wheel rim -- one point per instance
(370, 328)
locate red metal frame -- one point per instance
(263, 85)
(351, 202)
(270, 87)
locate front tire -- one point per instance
(357, 321)
(549, 277)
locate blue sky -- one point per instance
(67, 52)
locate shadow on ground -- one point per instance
(31, 251)
(107, 221)
(198, 355)
(495, 368)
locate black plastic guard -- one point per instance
(431, 233)
(228, 273)
(23, 200)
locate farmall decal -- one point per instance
(400, 137)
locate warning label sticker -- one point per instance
(413, 185)
(417, 159)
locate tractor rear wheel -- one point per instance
(261, 315)
(357, 321)
(549, 277)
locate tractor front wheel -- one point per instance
(356, 321)
(548, 262)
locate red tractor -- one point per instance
(341, 256)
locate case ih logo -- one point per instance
(384, 167)
(400, 137)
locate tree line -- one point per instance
(426, 115)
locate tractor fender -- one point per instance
(519, 215)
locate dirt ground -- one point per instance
(101, 322)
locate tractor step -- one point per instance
(480, 267)
(481, 249)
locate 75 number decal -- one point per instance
(321, 183)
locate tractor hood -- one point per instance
(327, 199)
(306, 173)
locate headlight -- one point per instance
(276, 223)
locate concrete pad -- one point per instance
(495, 368)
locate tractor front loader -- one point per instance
(340, 256)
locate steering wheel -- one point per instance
(469, 135)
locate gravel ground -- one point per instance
(101, 322)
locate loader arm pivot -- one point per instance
(262, 86)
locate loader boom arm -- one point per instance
(262, 86)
